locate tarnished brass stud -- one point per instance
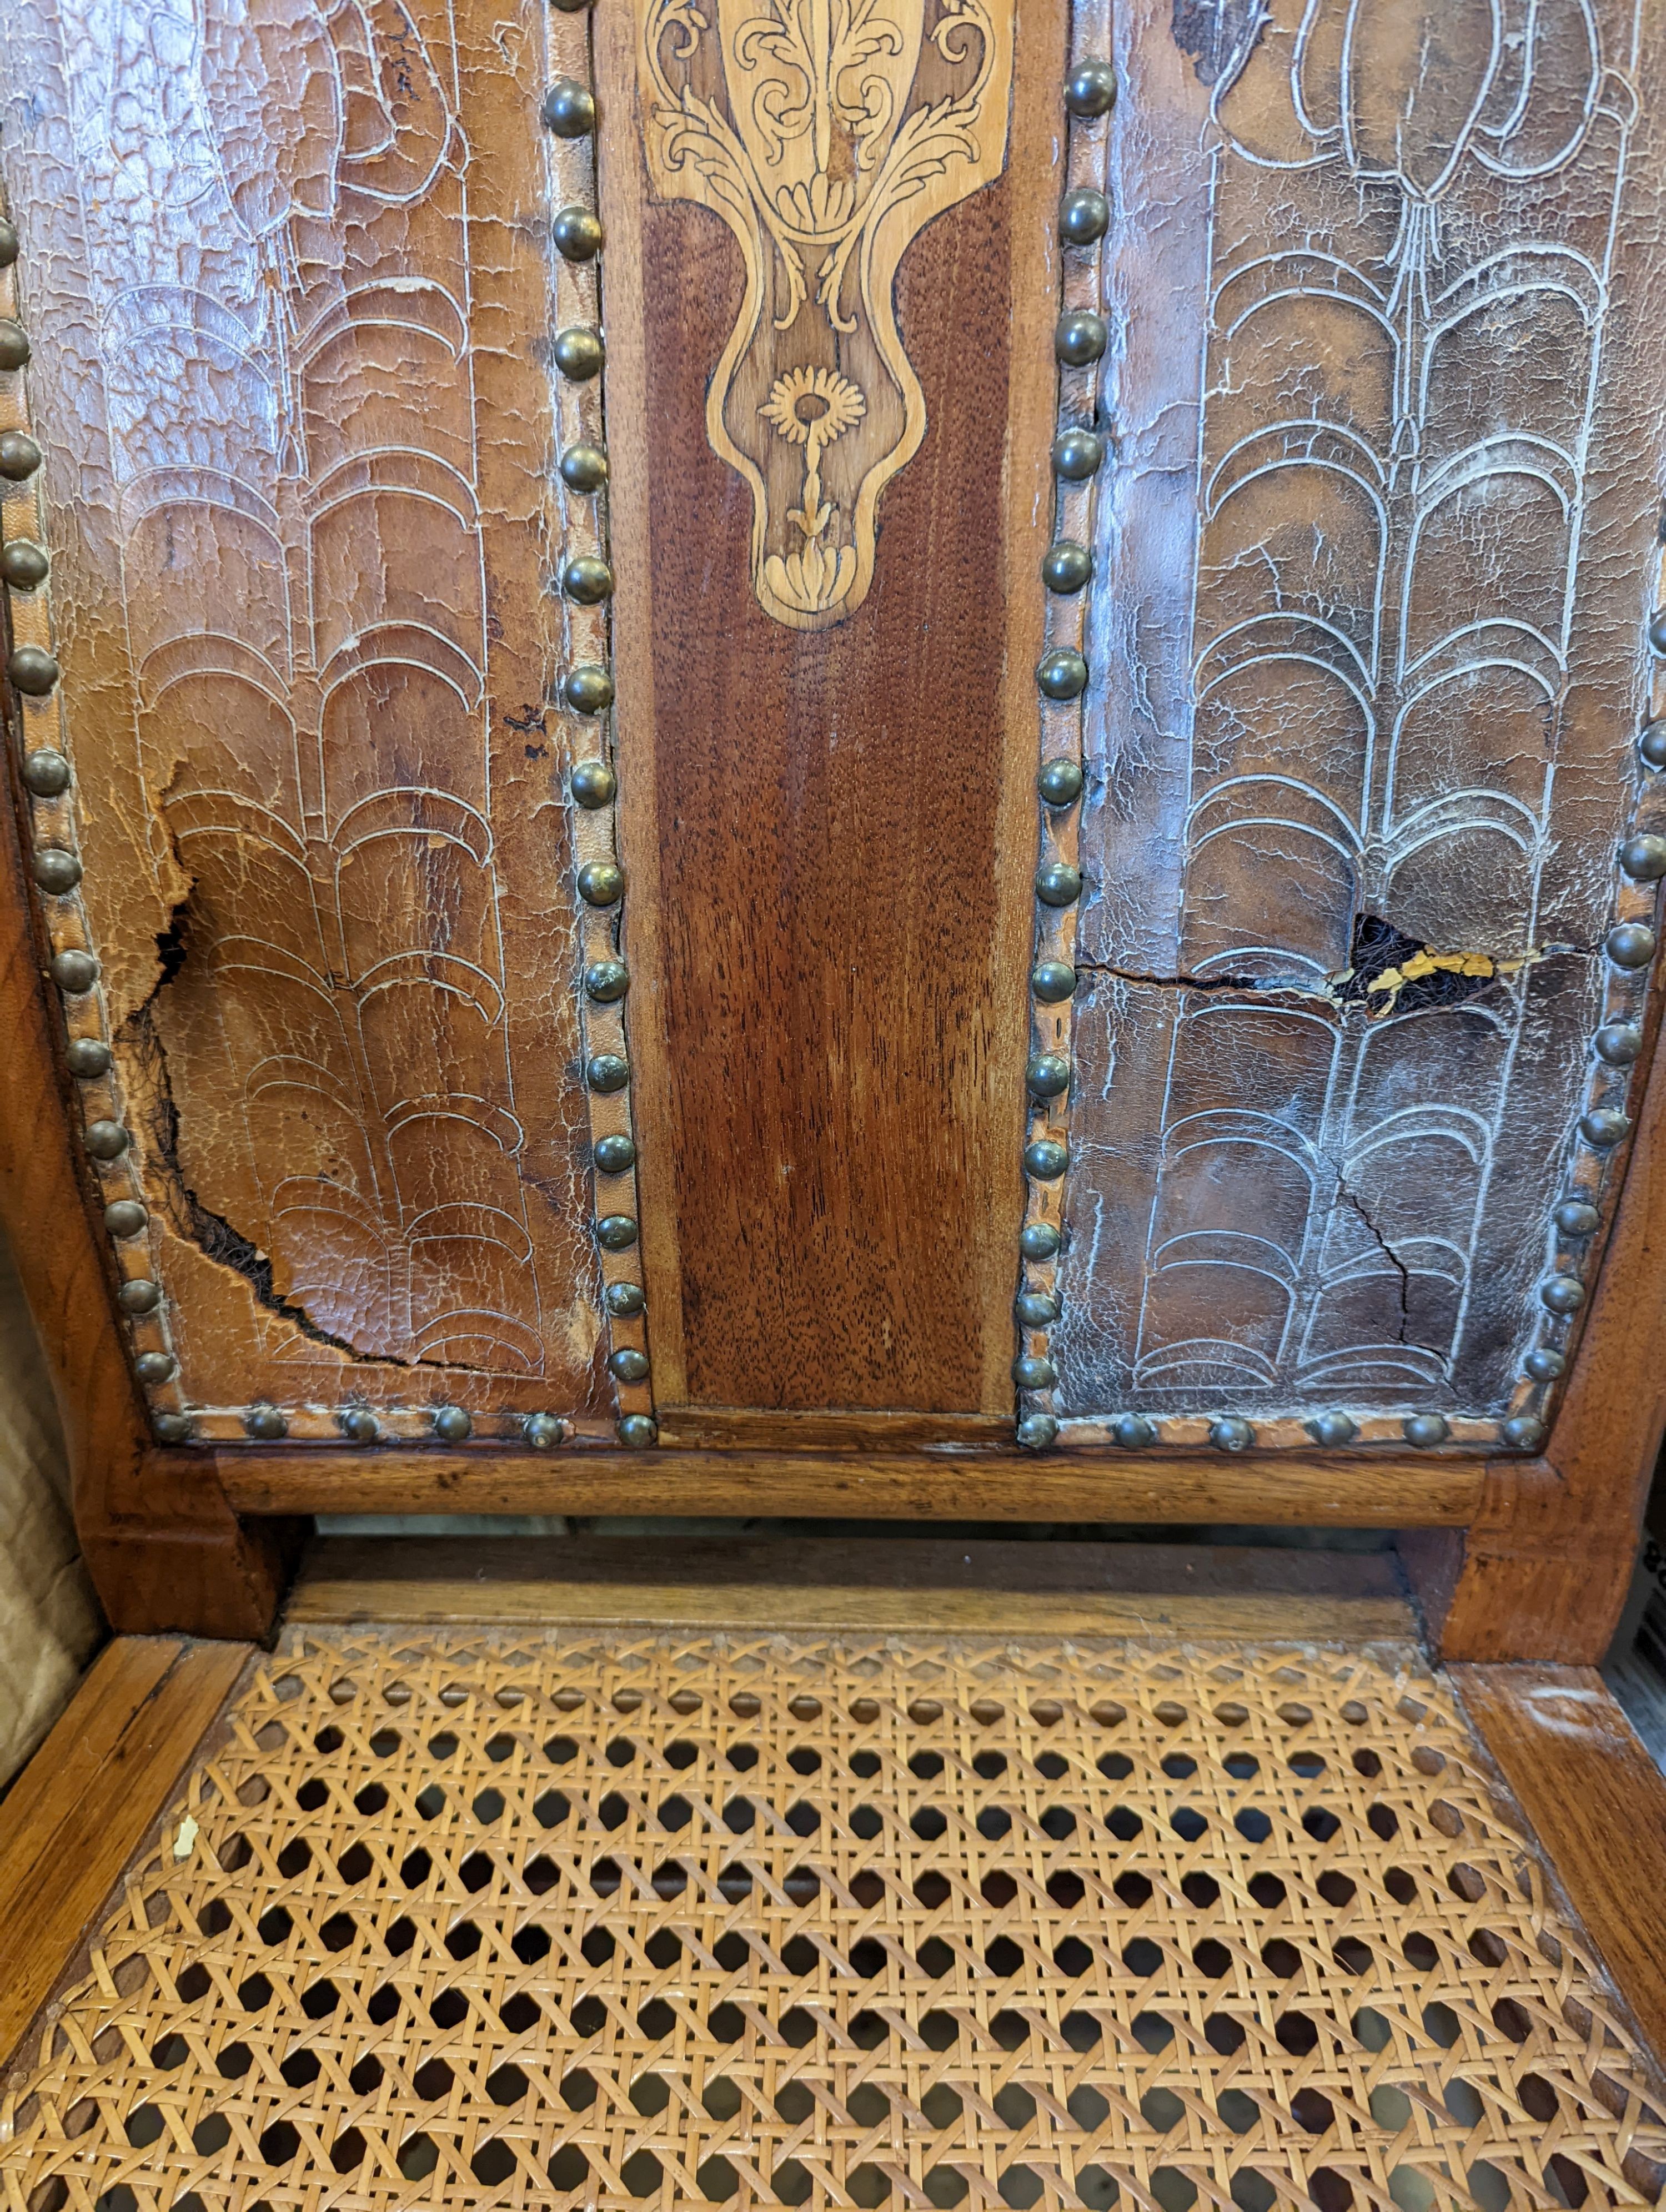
(1652, 745)
(1544, 1363)
(1604, 1127)
(1521, 1432)
(1230, 1433)
(75, 971)
(636, 1430)
(8, 242)
(57, 872)
(14, 344)
(1423, 1429)
(1057, 883)
(607, 1071)
(616, 1232)
(171, 1428)
(1643, 857)
(1039, 1240)
(1618, 1043)
(358, 1425)
(23, 564)
(584, 468)
(625, 1297)
(105, 1141)
(1084, 216)
(1031, 1372)
(577, 233)
(1657, 630)
(1037, 1309)
(569, 108)
(1561, 1294)
(1047, 1075)
(1053, 980)
(46, 772)
(1046, 1158)
(1133, 1432)
(542, 1430)
(1059, 782)
(614, 1155)
(601, 882)
(1631, 945)
(20, 456)
(1036, 1431)
(579, 353)
(1062, 674)
(154, 1367)
(628, 1364)
(587, 688)
(266, 1423)
(1079, 339)
(593, 783)
(1090, 89)
(88, 1057)
(588, 580)
(1331, 1429)
(125, 1216)
(606, 981)
(139, 1295)
(32, 671)
(1077, 454)
(451, 1425)
(1066, 566)
(1577, 1217)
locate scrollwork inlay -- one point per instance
(827, 134)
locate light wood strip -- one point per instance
(1598, 1803)
(1311, 1490)
(83, 1804)
(1091, 1589)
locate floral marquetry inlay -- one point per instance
(827, 134)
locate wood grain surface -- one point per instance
(1598, 1802)
(1027, 1589)
(1332, 1490)
(829, 834)
(81, 1807)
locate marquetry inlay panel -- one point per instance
(641, 1918)
(826, 136)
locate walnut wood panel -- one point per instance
(290, 369)
(828, 831)
(1334, 1490)
(1374, 561)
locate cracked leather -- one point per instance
(1372, 571)
(289, 333)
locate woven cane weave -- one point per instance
(636, 1918)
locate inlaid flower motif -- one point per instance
(834, 403)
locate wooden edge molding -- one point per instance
(1542, 1571)
(1597, 1804)
(922, 1584)
(85, 1802)
(1320, 1490)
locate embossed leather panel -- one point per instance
(285, 271)
(1373, 565)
